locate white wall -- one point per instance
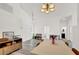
(75, 30)
(18, 21)
(40, 20)
(25, 21)
(73, 25)
(8, 22)
(53, 18)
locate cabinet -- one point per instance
(10, 46)
(1, 51)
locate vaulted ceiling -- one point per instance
(61, 9)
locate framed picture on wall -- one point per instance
(8, 34)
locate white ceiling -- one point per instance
(6, 7)
(61, 9)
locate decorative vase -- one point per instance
(53, 41)
(52, 37)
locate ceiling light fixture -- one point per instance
(47, 7)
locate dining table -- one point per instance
(47, 48)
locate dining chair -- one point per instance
(75, 51)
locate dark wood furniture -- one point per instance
(75, 51)
(38, 36)
(37, 39)
(8, 46)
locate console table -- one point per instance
(8, 46)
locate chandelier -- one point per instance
(47, 7)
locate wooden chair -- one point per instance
(75, 51)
